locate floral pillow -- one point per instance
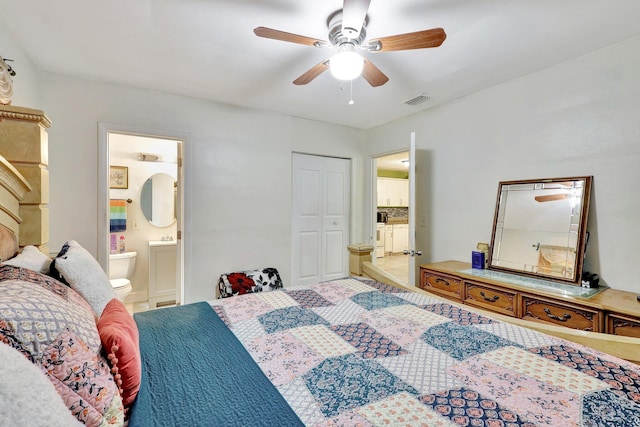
(37, 308)
(9, 272)
(51, 325)
(248, 281)
(83, 379)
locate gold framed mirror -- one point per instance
(540, 228)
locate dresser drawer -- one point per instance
(570, 316)
(490, 298)
(622, 325)
(441, 284)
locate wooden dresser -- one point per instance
(610, 311)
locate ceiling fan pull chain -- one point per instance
(351, 101)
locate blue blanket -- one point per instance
(196, 373)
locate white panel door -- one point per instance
(320, 218)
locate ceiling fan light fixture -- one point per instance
(348, 30)
(346, 64)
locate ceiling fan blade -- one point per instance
(312, 73)
(353, 14)
(551, 197)
(418, 40)
(373, 75)
(270, 33)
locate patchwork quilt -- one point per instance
(357, 352)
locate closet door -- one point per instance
(320, 218)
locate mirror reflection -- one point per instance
(540, 227)
(158, 200)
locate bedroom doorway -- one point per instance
(321, 204)
(140, 200)
(394, 213)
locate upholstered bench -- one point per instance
(248, 281)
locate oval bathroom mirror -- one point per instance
(158, 200)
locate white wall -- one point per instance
(237, 172)
(576, 118)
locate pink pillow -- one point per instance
(119, 335)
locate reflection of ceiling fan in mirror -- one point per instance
(347, 32)
(552, 197)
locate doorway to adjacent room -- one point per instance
(392, 214)
(148, 181)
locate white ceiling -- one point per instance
(393, 162)
(207, 49)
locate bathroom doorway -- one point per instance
(140, 211)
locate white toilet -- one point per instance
(121, 267)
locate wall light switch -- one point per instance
(135, 225)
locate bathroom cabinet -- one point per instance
(162, 273)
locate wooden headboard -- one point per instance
(13, 187)
(24, 148)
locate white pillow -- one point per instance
(27, 396)
(85, 276)
(31, 258)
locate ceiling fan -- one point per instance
(568, 188)
(347, 32)
(552, 197)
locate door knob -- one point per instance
(412, 253)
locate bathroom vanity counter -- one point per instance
(162, 243)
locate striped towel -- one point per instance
(117, 215)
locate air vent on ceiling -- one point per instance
(418, 99)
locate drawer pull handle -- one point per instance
(440, 279)
(486, 298)
(564, 317)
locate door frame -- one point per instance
(373, 206)
(104, 129)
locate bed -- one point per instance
(354, 351)
(359, 352)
